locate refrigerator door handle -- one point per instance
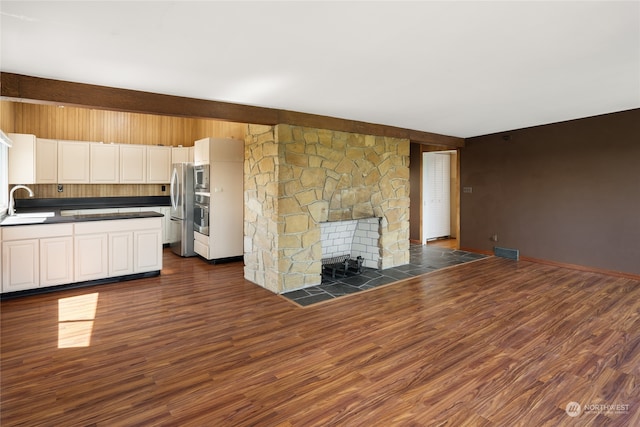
(174, 189)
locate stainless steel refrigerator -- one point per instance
(182, 194)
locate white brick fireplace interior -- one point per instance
(356, 237)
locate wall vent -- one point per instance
(506, 253)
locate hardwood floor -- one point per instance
(490, 343)
(444, 243)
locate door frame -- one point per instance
(454, 191)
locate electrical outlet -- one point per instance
(60, 188)
(467, 189)
(494, 238)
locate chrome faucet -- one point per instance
(11, 210)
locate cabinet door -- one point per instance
(226, 224)
(165, 221)
(20, 265)
(105, 162)
(158, 165)
(73, 162)
(201, 244)
(22, 160)
(133, 164)
(180, 155)
(166, 225)
(91, 257)
(46, 161)
(120, 254)
(201, 152)
(56, 261)
(147, 250)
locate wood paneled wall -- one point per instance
(7, 114)
(50, 121)
(83, 124)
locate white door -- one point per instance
(436, 199)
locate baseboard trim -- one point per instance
(582, 268)
(563, 265)
(478, 251)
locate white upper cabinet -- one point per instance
(210, 150)
(158, 164)
(33, 160)
(73, 162)
(201, 152)
(22, 159)
(133, 164)
(181, 155)
(46, 161)
(105, 163)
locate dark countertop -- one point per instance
(66, 204)
(60, 219)
(91, 203)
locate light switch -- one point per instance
(467, 189)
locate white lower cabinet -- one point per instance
(36, 256)
(91, 258)
(134, 245)
(56, 261)
(120, 253)
(147, 250)
(20, 265)
(167, 236)
(201, 244)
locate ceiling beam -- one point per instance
(27, 88)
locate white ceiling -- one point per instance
(456, 68)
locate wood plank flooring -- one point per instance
(489, 343)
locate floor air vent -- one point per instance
(507, 253)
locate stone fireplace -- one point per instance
(297, 178)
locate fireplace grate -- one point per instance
(342, 264)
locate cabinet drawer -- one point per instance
(201, 249)
(201, 244)
(36, 231)
(118, 225)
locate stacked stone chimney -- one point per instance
(298, 177)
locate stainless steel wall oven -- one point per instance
(201, 213)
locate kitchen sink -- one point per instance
(27, 218)
(35, 214)
(11, 220)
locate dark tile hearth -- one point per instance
(422, 259)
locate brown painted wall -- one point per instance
(566, 192)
